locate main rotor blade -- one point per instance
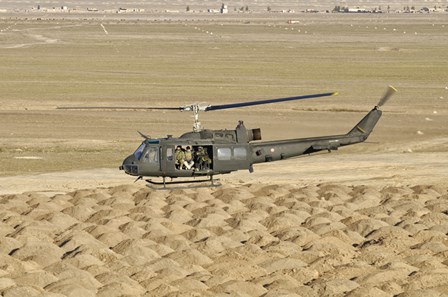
(268, 101)
(390, 91)
(119, 107)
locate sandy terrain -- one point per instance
(348, 225)
(366, 236)
(368, 220)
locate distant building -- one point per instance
(282, 11)
(224, 8)
(358, 10)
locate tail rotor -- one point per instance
(390, 91)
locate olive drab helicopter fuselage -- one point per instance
(214, 152)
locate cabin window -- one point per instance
(169, 154)
(138, 152)
(152, 155)
(224, 153)
(240, 153)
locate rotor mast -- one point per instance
(196, 125)
(195, 108)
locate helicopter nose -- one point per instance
(129, 165)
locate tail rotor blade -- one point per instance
(390, 91)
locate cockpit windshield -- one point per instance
(138, 152)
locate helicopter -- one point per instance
(201, 154)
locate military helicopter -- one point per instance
(204, 153)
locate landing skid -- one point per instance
(163, 184)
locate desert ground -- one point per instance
(367, 220)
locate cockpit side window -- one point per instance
(152, 155)
(138, 152)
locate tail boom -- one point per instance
(283, 149)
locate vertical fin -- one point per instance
(366, 125)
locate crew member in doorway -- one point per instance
(188, 162)
(179, 156)
(203, 161)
